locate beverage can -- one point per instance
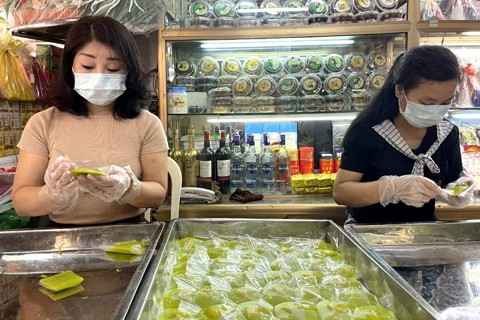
(326, 163)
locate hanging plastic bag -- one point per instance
(462, 10)
(13, 81)
(467, 88)
(431, 9)
(41, 84)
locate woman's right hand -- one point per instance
(60, 193)
(412, 190)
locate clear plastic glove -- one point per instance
(412, 190)
(120, 185)
(60, 193)
(462, 199)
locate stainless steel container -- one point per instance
(26, 255)
(372, 271)
(439, 260)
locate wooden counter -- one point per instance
(319, 206)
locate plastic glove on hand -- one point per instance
(413, 190)
(119, 185)
(459, 193)
(60, 193)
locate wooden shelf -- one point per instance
(326, 30)
(456, 26)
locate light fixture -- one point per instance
(465, 116)
(271, 10)
(264, 44)
(347, 116)
(471, 33)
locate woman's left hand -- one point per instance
(120, 185)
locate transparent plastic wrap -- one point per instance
(138, 16)
(431, 9)
(462, 10)
(469, 88)
(459, 193)
(13, 75)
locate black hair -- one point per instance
(410, 69)
(114, 35)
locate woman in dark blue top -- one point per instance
(399, 152)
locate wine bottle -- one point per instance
(222, 166)
(205, 163)
(237, 165)
(282, 168)
(190, 163)
(267, 162)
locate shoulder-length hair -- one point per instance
(114, 35)
(410, 69)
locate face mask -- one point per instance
(99, 88)
(423, 116)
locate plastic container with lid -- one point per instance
(363, 5)
(317, 7)
(296, 7)
(378, 60)
(314, 63)
(246, 8)
(357, 82)
(334, 102)
(252, 66)
(248, 22)
(265, 86)
(287, 85)
(390, 15)
(177, 100)
(231, 66)
(342, 18)
(335, 84)
(293, 64)
(264, 101)
(220, 92)
(318, 19)
(271, 8)
(356, 61)
(366, 16)
(287, 103)
(385, 5)
(185, 67)
(310, 84)
(225, 22)
(313, 103)
(242, 86)
(377, 79)
(199, 22)
(272, 65)
(340, 6)
(226, 81)
(334, 63)
(223, 8)
(200, 8)
(208, 66)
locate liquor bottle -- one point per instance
(267, 162)
(222, 166)
(237, 171)
(205, 163)
(282, 168)
(175, 153)
(215, 139)
(229, 140)
(252, 174)
(242, 141)
(190, 163)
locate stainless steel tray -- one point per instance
(372, 270)
(109, 285)
(439, 260)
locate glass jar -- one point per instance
(177, 100)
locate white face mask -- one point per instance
(99, 88)
(423, 116)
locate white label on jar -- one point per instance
(205, 169)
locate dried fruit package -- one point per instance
(13, 81)
(431, 9)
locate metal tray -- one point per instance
(26, 255)
(372, 271)
(439, 260)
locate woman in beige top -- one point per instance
(96, 118)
